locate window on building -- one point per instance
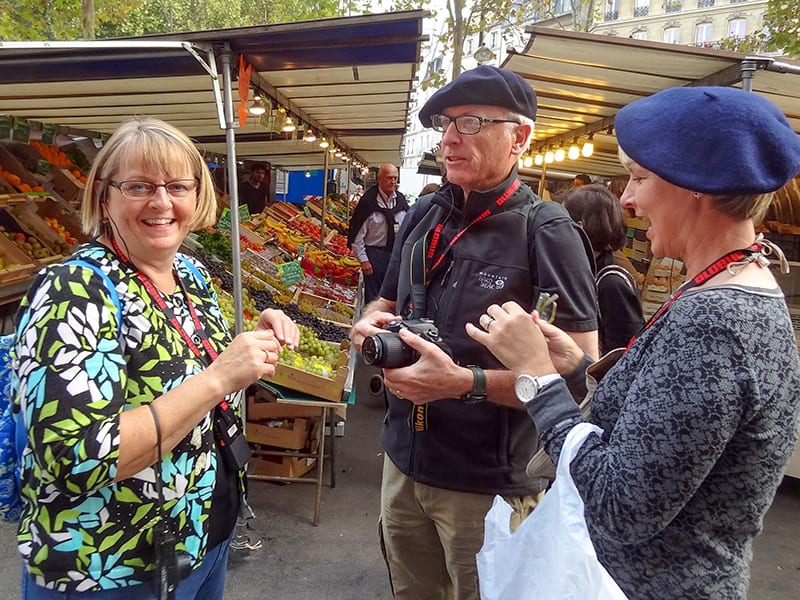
(561, 7)
(641, 8)
(703, 34)
(737, 28)
(672, 35)
(468, 46)
(612, 10)
(495, 39)
(639, 35)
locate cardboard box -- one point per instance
(277, 434)
(280, 466)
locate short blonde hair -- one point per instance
(737, 206)
(155, 146)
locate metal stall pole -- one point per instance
(233, 188)
(324, 195)
(541, 179)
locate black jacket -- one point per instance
(484, 447)
(368, 204)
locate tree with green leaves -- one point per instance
(465, 18)
(69, 19)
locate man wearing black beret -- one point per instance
(455, 435)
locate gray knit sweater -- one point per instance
(700, 419)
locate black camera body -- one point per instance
(171, 565)
(388, 351)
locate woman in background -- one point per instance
(600, 215)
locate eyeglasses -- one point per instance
(141, 190)
(465, 124)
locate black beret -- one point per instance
(714, 140)
(483, 85)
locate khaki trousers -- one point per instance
(430, 536)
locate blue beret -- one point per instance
(714, 140)
(483, 85)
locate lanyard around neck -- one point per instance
(437, 232)
(200, 333)
(711, 271)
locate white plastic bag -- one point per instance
(550, 556)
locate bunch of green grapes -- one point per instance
(312, 346)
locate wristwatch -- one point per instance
(527, 386)
(478, 392)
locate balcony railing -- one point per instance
(705, 3)
(641, 11)
(672, 6)
(611, 15)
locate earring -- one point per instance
(696, 195)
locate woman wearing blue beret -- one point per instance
(699, 415)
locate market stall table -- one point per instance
(293, 398)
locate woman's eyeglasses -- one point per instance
(141, 190)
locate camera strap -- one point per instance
(165, 588)
(424, 260)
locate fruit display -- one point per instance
(227, 306)
(53, 154)
(15, 181)
(337, 243)
(340, 269)
(62, 232)
(27, 243)
(312, 355)
(286, 236)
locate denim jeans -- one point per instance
(207, 582)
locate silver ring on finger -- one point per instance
(486, 321)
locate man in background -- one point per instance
(376, 220)
(254, 190)
(581, 179)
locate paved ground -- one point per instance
(340, 559)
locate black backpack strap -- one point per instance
(619, 272)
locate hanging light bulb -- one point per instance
(288, 125)
(548, 157)
(538, 159)
(309, 136)
(520, 163)
(528, 161)
(588, 147)
(574, 152)
(560, 154)
(257, 107)
(324, 143)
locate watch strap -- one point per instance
(478, 392)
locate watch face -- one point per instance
(526, 387)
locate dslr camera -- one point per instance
(387, 350)
(171, 565)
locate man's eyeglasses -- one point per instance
(465, 124)
(141, 190)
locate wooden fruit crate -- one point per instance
(16, 264)
(312, 384)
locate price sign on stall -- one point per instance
(21, 131)
(291, 272)
(48, 133)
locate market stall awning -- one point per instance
(582, 80)
(351, 77)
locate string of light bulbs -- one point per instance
(288, 122)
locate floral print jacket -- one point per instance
(77, 370)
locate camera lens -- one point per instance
(387, 350)
(372, 350)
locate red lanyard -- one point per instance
(712, 270)
(200, 334)
(437, 232)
